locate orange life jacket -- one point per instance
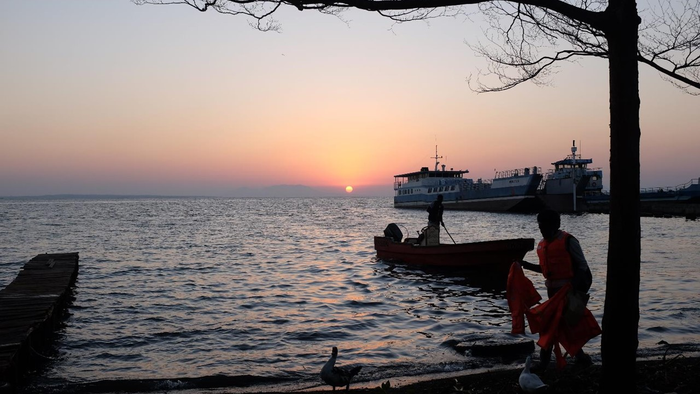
(555, 260)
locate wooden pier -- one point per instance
(31, 308)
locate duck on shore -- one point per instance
(338, 376)
(529, 382)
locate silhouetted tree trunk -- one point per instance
(621, 316)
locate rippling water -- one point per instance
(177, 289)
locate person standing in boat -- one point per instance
(561, 262)
(435, 210)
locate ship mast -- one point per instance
(436, 157)
(573, 171)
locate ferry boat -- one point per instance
(509, 191)
(681, 200)
(568, 187)
(572, 186)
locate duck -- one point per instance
(529, 382)
(338, 376)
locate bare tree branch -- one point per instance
(524, 36)
(670, 43)
(517, 36)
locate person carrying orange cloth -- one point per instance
(563, 318)
(521, 296)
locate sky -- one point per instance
(110, 97)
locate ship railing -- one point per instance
(479, 184)
(667, 189)
(688, 184)
(400, 181)
(670, 189)
(551, 171)
(518, 172)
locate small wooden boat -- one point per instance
(489, 257)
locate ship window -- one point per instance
(440, 189)
(430, 190)
(452, 187)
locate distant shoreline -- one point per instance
(276, 191)
(156, 197)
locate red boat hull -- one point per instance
(486, 256)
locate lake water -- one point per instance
(175, 293)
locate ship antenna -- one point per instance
(436, 158)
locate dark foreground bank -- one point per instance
(677, 374)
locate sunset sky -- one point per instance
(109, 97)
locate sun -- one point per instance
(348, 189)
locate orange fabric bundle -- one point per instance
(521, 295)
(546, 318)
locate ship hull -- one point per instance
(563, 203)
(519, 204)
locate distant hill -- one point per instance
(281, 191)
(94, 196)
(307, 191)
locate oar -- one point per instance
(448, 233)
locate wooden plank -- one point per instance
(30, 307)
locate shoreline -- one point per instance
(676, 373)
